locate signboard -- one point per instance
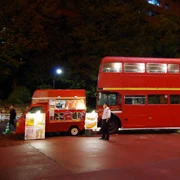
(91, 120)
(35, 126)
(66, 109)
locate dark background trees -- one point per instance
(36, 36)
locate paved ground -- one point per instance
(126, 156)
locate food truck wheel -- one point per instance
(74, 131)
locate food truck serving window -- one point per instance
(70, 104)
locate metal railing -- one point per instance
(4, 116)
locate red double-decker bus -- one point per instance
(143, 93)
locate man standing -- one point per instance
(105, 122)
(12, 117)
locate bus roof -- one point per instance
(140, 59)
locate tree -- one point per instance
(19, 95)
(37, 35)
(101, 28)
(167, 36)
(21, 32)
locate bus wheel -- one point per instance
(74, 131)
(114, 126)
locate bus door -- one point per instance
(134, 112)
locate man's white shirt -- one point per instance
(106, 113)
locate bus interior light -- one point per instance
(141, 67)
(165, 68)
(117, 67)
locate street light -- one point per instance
(57, 72)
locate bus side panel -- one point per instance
(134, 116)
(159, 115)
(137, 80)
(151, 116)
(174, 117)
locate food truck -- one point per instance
(63, 110)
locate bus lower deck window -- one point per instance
(135, 99)
(175, 99)
(158, 99)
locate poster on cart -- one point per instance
(91, 120)
(35, 126)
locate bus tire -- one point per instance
(114, 125)
(74, 131)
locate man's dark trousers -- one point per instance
(105, 129)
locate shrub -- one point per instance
(20, 95)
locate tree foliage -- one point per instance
(21, 33)
(36, 36)
(19, 95)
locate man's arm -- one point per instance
(109, 115)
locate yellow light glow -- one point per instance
(80, 105)
(17, 124)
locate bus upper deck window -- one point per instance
(134, 67)
(173, 68)
(156, 68)
(112, 67)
